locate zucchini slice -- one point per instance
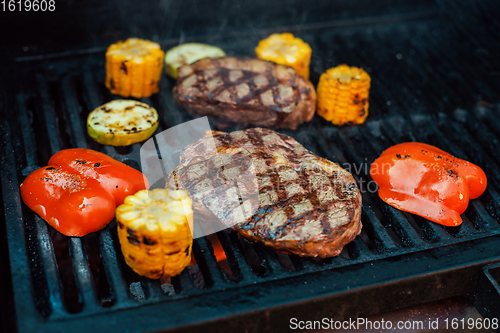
(122, 122)
(186, 54)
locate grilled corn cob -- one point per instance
(286, 49)
(134, 67)
(343, 95)
(154, 229)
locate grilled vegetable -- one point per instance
(77, 193)
(286, 49)
(186, 54)
(134, 67)
(343, 95)
(424, 180)
(122, 122)
(154, 232)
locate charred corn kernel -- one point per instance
(134, 67)
(154, 230)
(286, 49)
(343, 95)
(122, 122)
(188, 53)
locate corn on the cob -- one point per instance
(154, 229)
(343, 95)
(286, 49)
(134, 67)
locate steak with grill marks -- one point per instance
(248, 92)
(306, 205)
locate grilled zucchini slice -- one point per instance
(122, 122)
(186, 54)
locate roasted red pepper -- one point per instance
(77, 193)
(424, 180)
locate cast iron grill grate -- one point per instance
(424, 88)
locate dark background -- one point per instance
(88, 24)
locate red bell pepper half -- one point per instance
(424, 180)
(79, 190)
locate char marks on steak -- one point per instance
(247, 92)
(306, 205)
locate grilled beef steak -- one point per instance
(305, 205)
(248, 92)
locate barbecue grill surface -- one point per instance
(434, 69)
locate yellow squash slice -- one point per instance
(134, 67)
(186, 54)
(154, 230)
(122, 122)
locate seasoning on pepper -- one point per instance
(77, 193)
(424, 180)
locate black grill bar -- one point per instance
(72, 109)
(486, 138)
(20, 269)
(83, 277)
(154, 292)
(113, 272)
(81, 270)
(186, 284)
(204, 255)
(235, 254)
(49, 115)
(27, 134)
(55, 292)
(378, 232)
(272, 261)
